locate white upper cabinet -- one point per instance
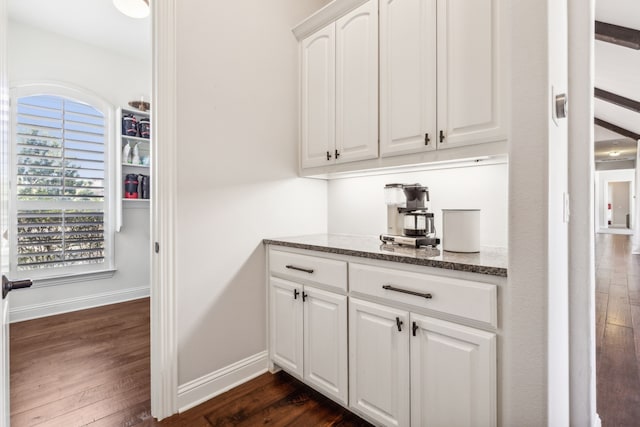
(318, 97)
(407, 76)
(441, 75)
(357, 84)
(471, 106)
(339, 99)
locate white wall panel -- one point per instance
(237, 172)
(356, 205)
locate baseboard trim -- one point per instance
(36, 311)
(210, 385)
(597, 422)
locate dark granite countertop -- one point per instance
(491, 261)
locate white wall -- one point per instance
(356, 205)
(36, 55)
(535, 359)
(602, 192)
(237, 172)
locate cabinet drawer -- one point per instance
(463, 298)
(308, 268)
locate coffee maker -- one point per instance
(408, 220)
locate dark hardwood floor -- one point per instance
(91, 367)
(617, 331)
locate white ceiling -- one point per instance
(617, 71)
(96, 22)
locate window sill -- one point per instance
(43, 282)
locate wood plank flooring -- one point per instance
(617, 331)
(79, 368)
(91, 367)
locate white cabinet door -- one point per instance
(453, 374)
(285, 329)
(407, 76)
(318, 97)
(379, 362)
(357, 84)
(470, 73)
(325, 342)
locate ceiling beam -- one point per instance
(621, 101)
(623, 36)
(617, 129)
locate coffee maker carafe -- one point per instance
(408, 220)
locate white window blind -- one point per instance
(60, 166)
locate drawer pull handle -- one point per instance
(399, 324)
(306, 270)
(415, 328)
(304, 296)
(296, 293)
(405, 291)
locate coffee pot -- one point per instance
(408, 220)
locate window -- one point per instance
(60, 186)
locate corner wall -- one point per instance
(237, 180)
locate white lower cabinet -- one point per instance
(453, 374)
(388, 356)
(286, 325)
(379, 362)
(412, 370)
(308, 335)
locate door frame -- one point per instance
(164, 342)
(582, 367)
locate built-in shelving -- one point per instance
(126, 167)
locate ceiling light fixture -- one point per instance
(133, 8)
(614, 153)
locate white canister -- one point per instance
(461, 230)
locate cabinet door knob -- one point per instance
(296, 293)
(328, 155)
(337, 154)
(426, 139)
(441, 136)
(415, 328)
(304, 296)
(399, 324)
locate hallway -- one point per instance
(617, 330)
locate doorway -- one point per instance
(47, 43)
(620, 205)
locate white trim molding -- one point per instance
(211, 385)
(324, 16)
(164, 347)
(36, 311)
